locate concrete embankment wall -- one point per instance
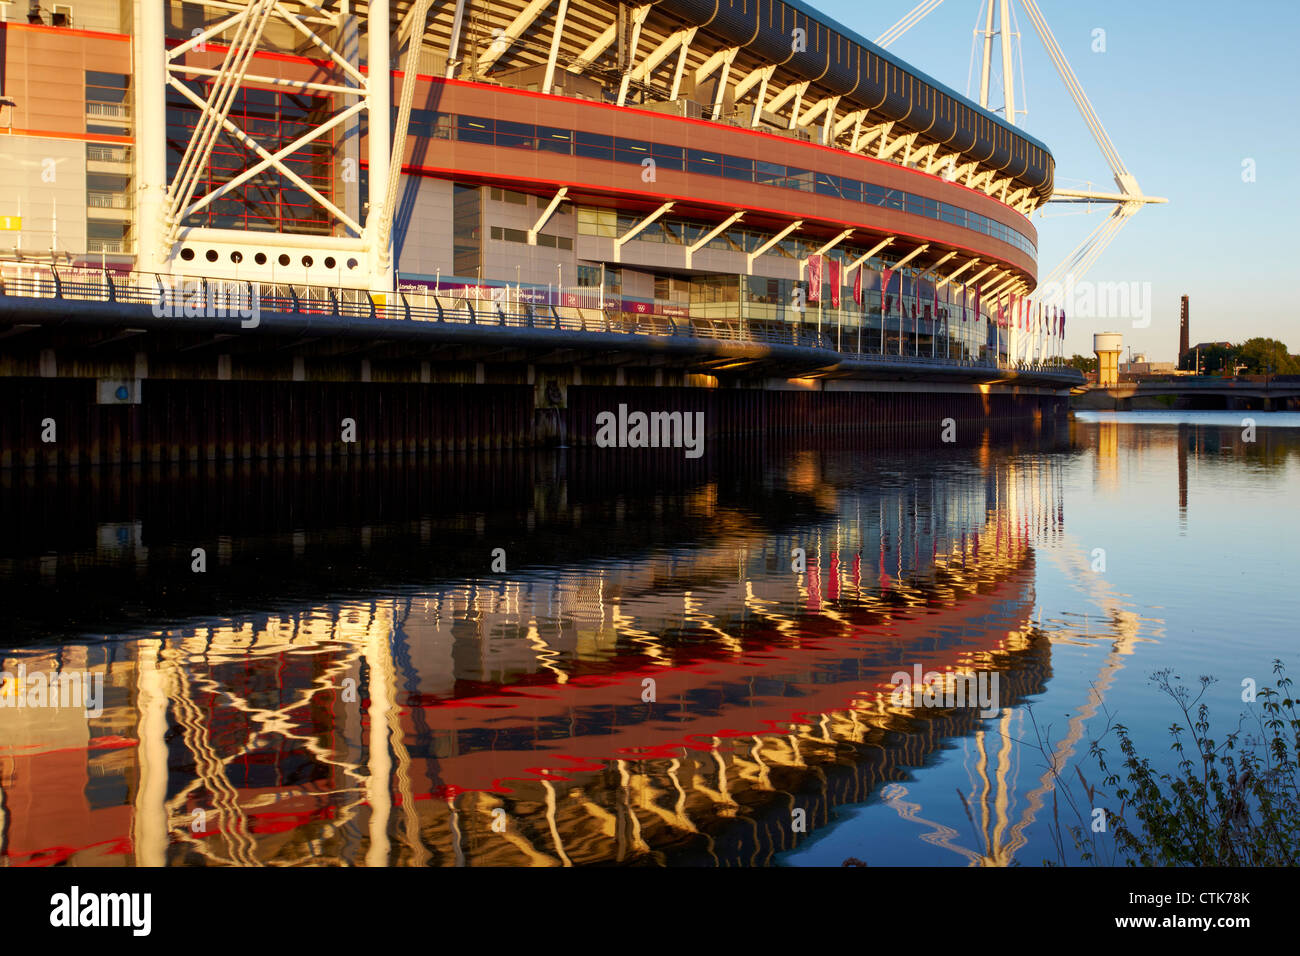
(60, 422)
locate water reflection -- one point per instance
(349, 682)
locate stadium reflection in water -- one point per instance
(350, 682)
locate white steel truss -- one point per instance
(1128, 200)
(628, 46)
(332, 29)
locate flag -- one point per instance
(1062, 323)
(857, 286)
(885, 276)
(978, 290)
(934, 313)
(814, 278)
(835, 283)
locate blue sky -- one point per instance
(1187, 91)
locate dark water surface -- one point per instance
(653, 678)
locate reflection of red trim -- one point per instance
(493, 770)
(522, 704)
(110, 742)
(53, 856)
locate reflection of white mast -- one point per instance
(149, 822)
(378, 790)
(4, 822)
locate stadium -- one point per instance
(751, 177)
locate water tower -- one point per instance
(1107, 346)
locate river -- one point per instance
(605, 656)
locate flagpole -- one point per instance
(862, 312)
(885, 276)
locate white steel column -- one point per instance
(637, 229)
(769, 244)
(349, 185)
(150, 93)
(1008, 72)
(546, 215)
(556, 36)
(712, 234)
(378, 141)
(986, 66)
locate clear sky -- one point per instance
(1187, 90)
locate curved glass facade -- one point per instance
(511, 135)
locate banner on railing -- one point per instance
(815, 278)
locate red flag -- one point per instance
(1062, 323)
(934, 313)
(857, 286)
(979, 289)
(835, 283)
(814, 278)
(885, 276)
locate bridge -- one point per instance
(131, 368)
(1252, 392)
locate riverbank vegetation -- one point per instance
(1232, 800)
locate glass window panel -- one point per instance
(828, 185)
(667, 157)
(799, 179)
(631, 150)
(593, 145)
(770, 174)
(698, 161)
(554, 140)
(475, 129)
(516, 135)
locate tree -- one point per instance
(1213, 358)
(1084, 363)
(1264, 356)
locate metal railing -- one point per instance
(179, 297)
(100, 200)
(108, 154)
(109, 110)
